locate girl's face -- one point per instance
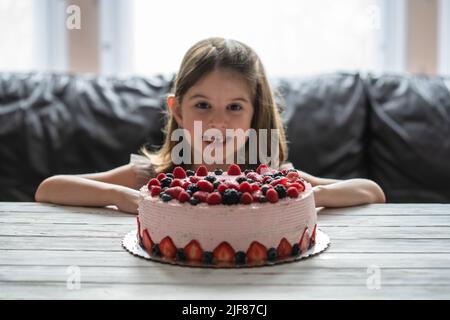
(220, 100)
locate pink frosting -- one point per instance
(239, 225)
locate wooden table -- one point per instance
(390, 251)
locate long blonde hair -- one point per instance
(204, 57)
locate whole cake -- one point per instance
(227, 218)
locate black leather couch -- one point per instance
(394, 129)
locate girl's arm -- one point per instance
(113, 187)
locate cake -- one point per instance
(227, 218)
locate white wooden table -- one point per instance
(390, 251)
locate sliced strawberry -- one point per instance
(224, 252)
(262, 167)
(292, 192)
(193, 251)
(313, 237)
(176, 183)
(147, 242)
(161, 176)
(214, 198)
(194, 179)
(272, 195)
(234, 170)
(202, 171)
(167, 248)
(201, 195)
(246, 198)
(284, 249)
(174, 191)
(155, 191)
(304, 241)
(179, 173)
(256, 252)
(183, 196)
(205, 185)
(153, 182)
(245, 187)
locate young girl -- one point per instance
(221, 83)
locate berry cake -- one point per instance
(227, 218)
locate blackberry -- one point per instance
(166, 182)
(192, 188)
(295, 249)
(190, 173)
(180, 254)
(263, 199)
(230, 196)
(156, 250)
(166, 197)
(264, 189)
(240, 257)
(170, 175)
(210, 179)
(207, 257)
(218, 172)
(277, 174)
(281, 190)
(194, 201)
(216, 184)
(247, 171)
(241, 179)
(272, 254)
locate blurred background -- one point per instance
(293, 37)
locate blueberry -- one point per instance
(241, 179)
(264, 189)
(165, 182)
(161, 194)
(216, 184)
(295, 249)
(192, 188)
(218, 172)
(180, 254)
(170, 175)
(262, 199)
(240, 257)
(210, 179)
(272, 254)
(230, 196)
(166, 197)
(281, 190)
(250, 181)
(277, 174)
(194, 201)
(247, 171)
(156, 251)
(208, 257)
(269, 180)
(190, 173)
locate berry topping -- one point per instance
(210, 179)
(208, 257)
(299, 185)
(155, 190)
(230, 196)
(304, 241)
(202, 171)
(193, 251)
(295, 249)
(241, 179)
(183, 196)
(272, 254)
(170, 175)
(153, 182)
(246, 198)
(192, 188)
(214, 198)
(204, 185)
(167, 248)
(147, 242)
(284, 249)
(216, 184)
(156, 250)
(263, 199)
(245, 187)
(240, 257)
(234, 170)
(292, 192)
(165, 197)
(174, 191)
(272, 195)
(255, 187)
(292, 176)
(194, 201)
(161, 176)
(224, 252)
(262, 168)
(180, 255)
(165, 182)
(186, 184)
(221, 188)
(254, 176)
(218, 172)
(179, 173)
(201, 195)
(190, 173)
(194, 179)
(256, 252)
(176, 183)
(256, 195)
(281, 190)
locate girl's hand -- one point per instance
(126, 199)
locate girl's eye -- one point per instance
(202, 105)
(234, 107)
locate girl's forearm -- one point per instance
(348, 193)
(73, 190)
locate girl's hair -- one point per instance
(218, 53)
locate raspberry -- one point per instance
(292, 192)
(214, 198)
(155, 190)
(256, 195)
(201, 195)
(202, 171)
(183, 196)
(176, 183)
(246, 198)
(205, 186)
(161, 176)
(281, 190)
(179, 173)
(272, 195)
(245, 187)
(153, 182)
(221, 188)
(234, 170)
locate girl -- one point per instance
(221, 83)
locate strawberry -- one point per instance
(155, 191)
(272, 195)
(153, 182)
(234, 170)
(202, 171)
(254, 176)
(304, 241)
(174, 191)
(167, 248)
(313, 237)
(246, 198)
(193, 251)
(176, 183)
(255, 187)
(262, 168)
(214, 198)
(224, 252)
(265, 178)
(292, 192)
(147, 242)
(194, 179)
(179, 173)
(201, 195)
(205, 185)
(283, 172)
(292, 176)
(282, 181)
(161, 176)
(284, 249)
(256, 252)
(221, 188)
(185, 184)
(299, 186)
(245, 187)
(183, 196)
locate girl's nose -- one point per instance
(218, 120)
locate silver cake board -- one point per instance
(131, 243)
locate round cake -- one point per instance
(227, 218)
